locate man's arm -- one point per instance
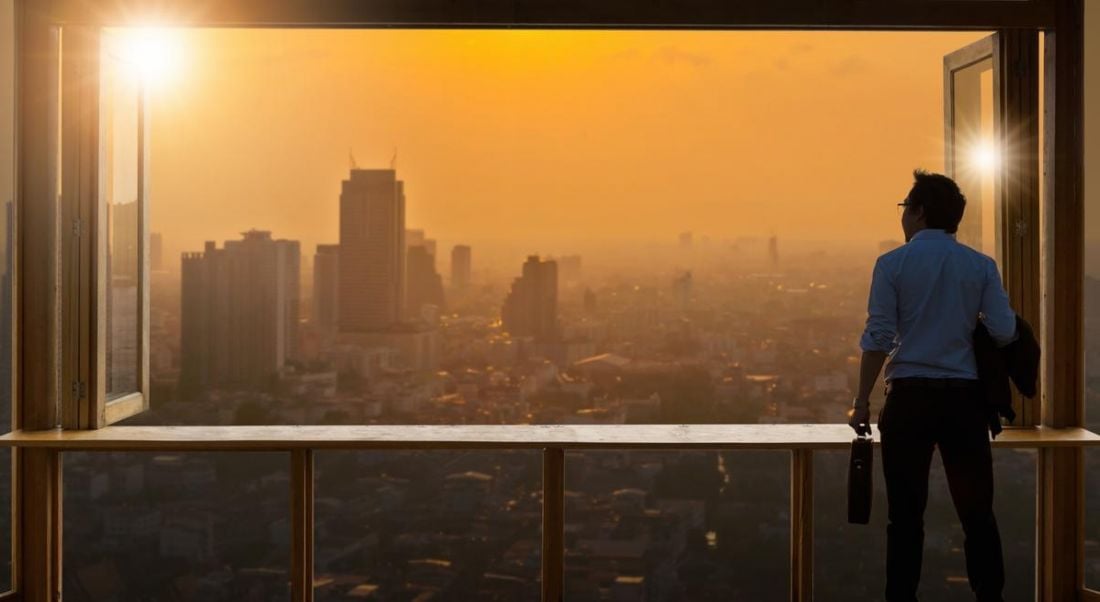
(877, 342)
(870, 365)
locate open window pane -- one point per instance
(120, 193)
(974, 155)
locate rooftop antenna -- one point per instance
(351, 159)
(393, 160)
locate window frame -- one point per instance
(1060, 507)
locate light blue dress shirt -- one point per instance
(926, 299)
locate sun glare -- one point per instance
(152, 53)
(984, 156)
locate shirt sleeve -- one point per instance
(997, 313)
(882, 313)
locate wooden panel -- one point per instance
(1089, 595)
(1060, 554)
(1060, 511)
(553, 524)
(301, 520)
(40, 558)
(36, 193)
(653, 437)
(802, 525)
(1016, 77)
(955, 14)
(80, 102)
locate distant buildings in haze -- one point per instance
(461, 264)
(326, 295)
(239, 322)
(531, 307)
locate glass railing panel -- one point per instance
(447, 525)
(850, 560)
(677, 526)
(176, 526)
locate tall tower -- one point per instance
(326, 271)
(372, 251)
(531, 307)
(460, 266)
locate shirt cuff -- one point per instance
(877, 341)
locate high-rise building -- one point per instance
(773, 252)
(239, 312)
(372, 251)
(460, 266)
(326, 276)
(418, 238)
(425, 286)
(531, 308)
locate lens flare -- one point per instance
(153, 54)
(985, 156)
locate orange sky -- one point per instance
(550, 137)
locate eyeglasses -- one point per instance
(902, 205)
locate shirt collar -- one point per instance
(932, 234)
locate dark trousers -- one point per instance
(913, 422)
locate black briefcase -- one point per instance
(860, 482)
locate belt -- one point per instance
(933, 383)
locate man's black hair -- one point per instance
(940, 198)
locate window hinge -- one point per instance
(79, 389)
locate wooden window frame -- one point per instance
(40, 332)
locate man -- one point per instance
(926, 299)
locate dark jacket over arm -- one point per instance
(1018, 361)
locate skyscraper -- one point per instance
(460, 266)
(326, 272)
(425, 284)
(239, 322)
(372, 251)
(531, 308)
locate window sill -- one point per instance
(569, 437)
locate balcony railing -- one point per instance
(553, 440)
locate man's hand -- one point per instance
(859, 417)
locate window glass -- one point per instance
(176, 526)
(120, 192)
(420, 525)
(668, 526)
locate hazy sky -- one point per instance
(550, 136)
